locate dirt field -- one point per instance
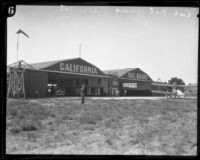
(102, 126)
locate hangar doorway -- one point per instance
(71, 84)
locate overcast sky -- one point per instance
(161, 41)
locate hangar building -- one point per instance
(129, 82)
(68, 75)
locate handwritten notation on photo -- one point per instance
(73, 9)
(156, 11)
(176, 12)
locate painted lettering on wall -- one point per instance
(76, 68)
(137, 76)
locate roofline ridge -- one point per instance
(54, 60)
(131, 69)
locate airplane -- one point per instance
(172, 90)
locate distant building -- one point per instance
(191, 89)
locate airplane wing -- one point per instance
(162, 92)
(180, 93)
(167, 85)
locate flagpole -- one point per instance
(80, 50)
(17, 45)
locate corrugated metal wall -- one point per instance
(35, 80)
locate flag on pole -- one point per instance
(20, 31)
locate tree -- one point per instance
(177, 81)
(159, 80)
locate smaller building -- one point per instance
(192, 89)
(129, 82)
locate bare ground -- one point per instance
(102, 126)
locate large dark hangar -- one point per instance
(68, 76)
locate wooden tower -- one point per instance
(16, 86)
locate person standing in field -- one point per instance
(125, 92)
(82, 94)
(49, 91)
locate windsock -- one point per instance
(20, 31)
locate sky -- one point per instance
(161, 41)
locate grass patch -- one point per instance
(164, 126)
(25, 125)
(92, 117)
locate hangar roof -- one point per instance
(120, 72)
(55, 66)
(48, 63)
(123, 73)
